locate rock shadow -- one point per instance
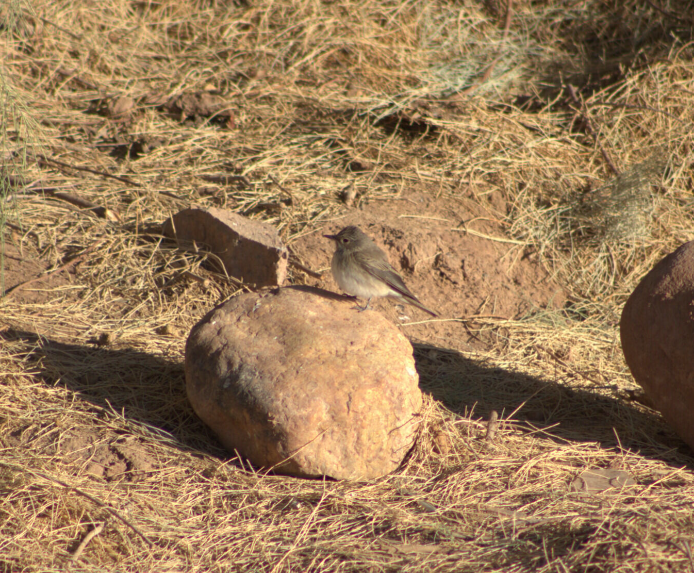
(150, 390)
(139, 386)
(467, 386)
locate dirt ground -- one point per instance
(522, 164)
(459, 275)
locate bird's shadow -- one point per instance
(328, 294)
(150, 390)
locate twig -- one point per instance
(172, 195)
(63, 30)
(519, 517)
(66, 266)
(668, 14)
(293, 260)
(20, 230)
(98, 210)
(89, 170)
(239, 180)
(83, 494)
(266, 471)
(87, 538)
(589, 127)
(492, 426)
(285, 191)
(186, 275)
(490, 237)
(463, 319)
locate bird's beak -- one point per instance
(331, 237)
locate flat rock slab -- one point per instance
(657, 332)
(299, 381)
(601, 480)
(251, 251)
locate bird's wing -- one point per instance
(379, 267)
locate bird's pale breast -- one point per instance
(354, 280)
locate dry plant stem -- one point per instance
(87, 538)
(478, 316)
(686, 548)
(98, 210)
(591, 130)
(295, 263)
(63, 30)
(83, 494)
(282, 188)
(71, 263)
(668, 14)
(43, 158)
(490, 238)
(297, 451)
(462, 319)
(226, 180)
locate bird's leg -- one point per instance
(365, 307)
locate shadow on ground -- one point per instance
(150, 390)
(136, 385)
(608, 38)
(561, 412)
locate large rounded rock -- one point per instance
(299, 381)
(657, 331)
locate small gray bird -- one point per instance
(362, 269)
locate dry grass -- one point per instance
(387, 96)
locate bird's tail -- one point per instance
(415, 302)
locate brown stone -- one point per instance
(600, 480)
(250, 250)
(657, 331)
(300, 381)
